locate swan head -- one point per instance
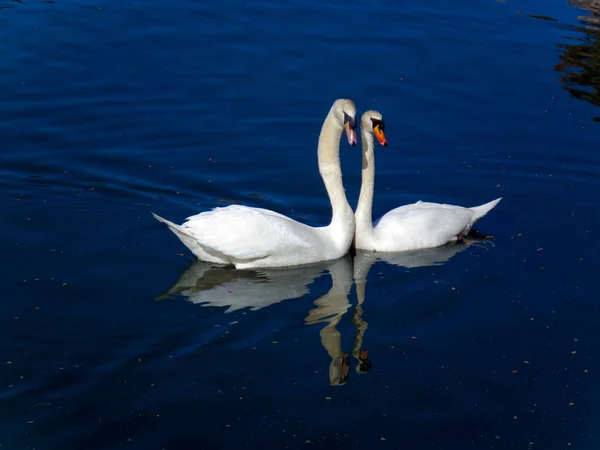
(345, 111)
(372, 123)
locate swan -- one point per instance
(248, 237)
(410, 227)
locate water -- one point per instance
(112, 337)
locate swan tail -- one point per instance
(482, 210)
(184, 235)
(202, 252)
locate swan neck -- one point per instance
(331, 171)
(364, 214)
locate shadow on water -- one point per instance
(580, 61)
(218, 286)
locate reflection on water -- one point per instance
(217, 286)
(580, 61)
(330, 309)
(593, 6)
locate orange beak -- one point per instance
(380, 135)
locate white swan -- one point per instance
(254, 237)
(417, 226)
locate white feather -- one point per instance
(417, 226)
(254, 237)
(425, 225)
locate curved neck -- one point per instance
(331, 172)
(364, 219)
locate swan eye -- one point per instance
(351, 121)
(378, 124)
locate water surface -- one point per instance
(113, 336)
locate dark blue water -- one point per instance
(112, 337)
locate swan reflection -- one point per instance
(363, 260)
(223, 286)
(209, 285)
(332, 306)
(330, 309)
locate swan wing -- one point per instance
(422, 225)
(243, 232)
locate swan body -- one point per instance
(420, 225)
(248, 237)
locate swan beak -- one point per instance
(380, 135)
(351, 134)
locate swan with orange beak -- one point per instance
(409, 227)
